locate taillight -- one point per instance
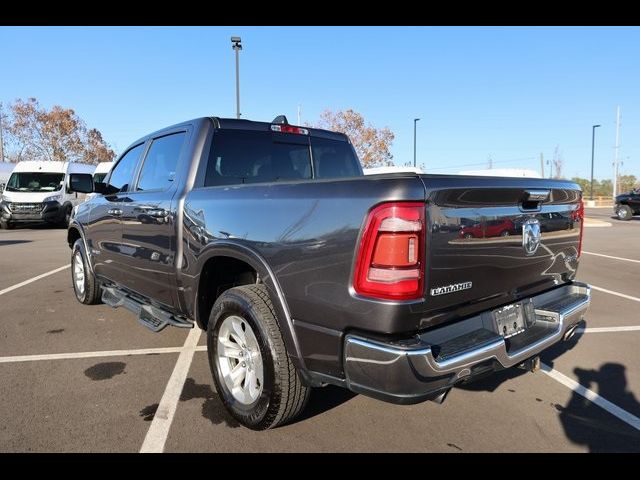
(289, 129)
(580, 215)
(390, 259)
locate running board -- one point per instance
(154, 318)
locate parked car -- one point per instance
(38, 191)
(304, 272)
(627, 205)
(492, 228)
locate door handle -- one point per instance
(116, 212)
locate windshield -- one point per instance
(34, 182)
(99, 177)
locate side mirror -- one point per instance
(100, 187)
(81, 183)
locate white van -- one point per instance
(391, 169)
(38, 191)
(101, 171)
(5, 172)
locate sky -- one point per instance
(505, 93)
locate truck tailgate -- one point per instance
(498, 237)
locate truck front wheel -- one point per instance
(253, 374)
(85, 285)
(624, 212)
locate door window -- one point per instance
(121, 174)
(159, 169)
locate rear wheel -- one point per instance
(624, 212)
(505, 233)
(253, 374)
(6, 225)
(85, 285)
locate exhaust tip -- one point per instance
(571, 331)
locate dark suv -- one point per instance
(628, 204)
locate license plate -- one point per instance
(510, 320)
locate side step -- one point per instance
(154, 318)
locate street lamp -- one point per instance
(593, 140)
(415, 121)
(237, 47)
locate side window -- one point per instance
(159, 168)
(121, 174)
(239, 157)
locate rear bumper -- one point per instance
(423, 366)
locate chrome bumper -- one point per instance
(415, 369)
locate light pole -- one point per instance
(593, 142)
(415, 122)
(237, 47)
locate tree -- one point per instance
(601, 188)
(558, 163)
(371, 144)
(627, 183)
(57, 134)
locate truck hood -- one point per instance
(27, 197)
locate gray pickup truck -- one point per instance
(304, 272)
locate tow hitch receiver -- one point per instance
(532, 364)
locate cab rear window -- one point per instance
(240, 157)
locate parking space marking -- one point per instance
(612, 257)
(31, 280)
(106, 353)
(592, 396)
(159, 428)
(608, 329)
(617, 294)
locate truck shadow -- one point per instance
(324, 399)
(13, 242)
(584, 422)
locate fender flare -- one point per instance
(76, 226)
(226, 248)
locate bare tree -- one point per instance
(558, 162)
(57, 134)
(371, 144)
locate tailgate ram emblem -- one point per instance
(531, 236)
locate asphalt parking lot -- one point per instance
(79, 378)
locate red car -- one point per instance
(492, 228)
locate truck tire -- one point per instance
(6, 225)
(624, 212)
(85, 285)
(66, 217)
(253, 374)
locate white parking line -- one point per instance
(105, 353)
(608, 329)
(592, 396)
(612, 257)
(159, 428)
(31, 280)
(617, 294)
